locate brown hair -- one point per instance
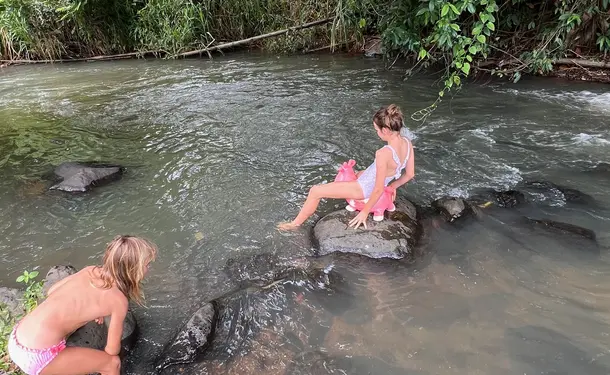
(389, 117)
(124, 265)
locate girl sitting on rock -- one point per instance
(390, 161)
(38, 342)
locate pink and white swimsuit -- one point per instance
(32, 361)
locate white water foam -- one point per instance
(574, 99)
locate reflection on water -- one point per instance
(217, 152)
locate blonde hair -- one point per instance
(124, 265)
(389, 117)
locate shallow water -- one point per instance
(220, 151)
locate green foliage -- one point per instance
(33, 293)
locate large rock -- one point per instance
(192, 340)
(81, 177)
(91, 335)
(11, 300)
(395, 237)
(263, 268)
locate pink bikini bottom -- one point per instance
(32, 361)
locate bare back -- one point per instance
(402, 148)
(73, 302)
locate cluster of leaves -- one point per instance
(506, 38)
(31, 296)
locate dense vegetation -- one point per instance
(504, 37)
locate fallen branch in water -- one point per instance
(254, 38)
(207, 50)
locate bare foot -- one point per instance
(287, 226)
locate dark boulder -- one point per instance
(394, 237)
(263, 268)
(192, 339)
(81, 177)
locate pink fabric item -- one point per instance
(32, 361)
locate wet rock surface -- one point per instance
(192, 339)
(82, 176)
(564, 228)
(395, 237)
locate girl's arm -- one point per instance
(409, 172)
(115, 328)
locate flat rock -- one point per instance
(395, 237)
(11, 299)
(82, 176)
(191, 340)
(565, 228)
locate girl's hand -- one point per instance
(99, 320)
(360, 219)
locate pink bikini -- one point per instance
(32, 361)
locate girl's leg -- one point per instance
(82, 361)
(344, 190)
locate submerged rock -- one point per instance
(11, 300)
(264, 268)
(558, 226)
(91, 335)
(552, 191)
(506, 199)
(394, 237)
(191, 340)
(452, 208)
(81, 177)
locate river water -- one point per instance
(218, 152)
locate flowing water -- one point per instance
(217, 152)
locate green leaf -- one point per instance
(362, 23)
(20, 279)
(445, 10)
(491, 26)
(441, 93)
(454, 27)
(454, 9)
(469, 58)
(472, 50)
(481, 39)
(516, 77)
(422, 53)
(458, 65)
(457, 80)
(472, 9)
(476, 30)
(421, 11)
(466, 68)
(33, 274)
(483, 16)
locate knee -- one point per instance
(314, 192)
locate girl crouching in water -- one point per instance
(38, 342)
(390, 161)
